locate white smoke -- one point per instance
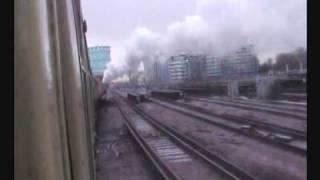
(221, 26)
(272, 26)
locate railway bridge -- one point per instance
(233, 85)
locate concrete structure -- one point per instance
(233, 89)
(99, 57)
(264, 86)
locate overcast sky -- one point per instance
(272, 25)
(110, 22)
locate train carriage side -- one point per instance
(54, 92)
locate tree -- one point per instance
(266, 66)
(284, 59)
(292, 59)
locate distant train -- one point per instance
(168, 94)
(137, 97)
(54, 92)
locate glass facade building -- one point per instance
(160, 70)
(214, 66)
(187, 68)
(178, 69)
(99, 57)
(194, 68)
(242, 62)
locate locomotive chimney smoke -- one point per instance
(219, 27)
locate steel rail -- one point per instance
(213, 159)
(275, 143)
(220, 164)
(164, 170)
(263, 105)
(248, 107)
(241, 120)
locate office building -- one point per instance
(160, 71)
(99, 56)
(185, 67)
(241, 62)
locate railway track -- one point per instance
(295, 115)
(175, 155)
(268, 105)
(250, 121)
(263, 131)
(280, 102)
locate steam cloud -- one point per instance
(218, 27)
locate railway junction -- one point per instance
(169, 134)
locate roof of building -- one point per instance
(99, 47)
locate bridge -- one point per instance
(261, 83)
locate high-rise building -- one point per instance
(178, 69)
(193, 69)
(157, 72)
(197, 66)
(161, 73)
(186, 68)
(241, 62)
(99, 57)
(213, 66)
